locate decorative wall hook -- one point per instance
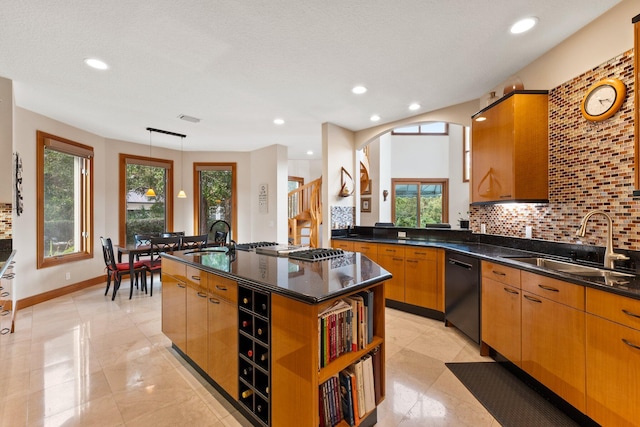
(385, 193)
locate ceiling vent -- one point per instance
(189, 118)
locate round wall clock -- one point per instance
(603, 100)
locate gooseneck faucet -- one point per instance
(610, 257)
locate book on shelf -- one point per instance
(334, 332)
(368, 383)
(330, 408)
(346, 398)
(367, 296)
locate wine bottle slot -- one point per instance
(260, 331)
(250, 353)
(246, 393)
(247, 371)
(264, 357)
(246, 323)
(245, 300)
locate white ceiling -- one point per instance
(237, 65)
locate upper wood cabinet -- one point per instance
(509, 149)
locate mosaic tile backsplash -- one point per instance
(5, 221)
(591, 166)
(342, 216)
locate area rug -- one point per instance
(511, 401)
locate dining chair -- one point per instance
(115, 270)
(143, 240)
(159, 245)
(194, 242)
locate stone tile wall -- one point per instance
(591, 166)
(5, 221)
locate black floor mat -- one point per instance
(507, 398)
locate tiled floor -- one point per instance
(84, 360)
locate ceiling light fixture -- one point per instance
(414, 106)
(524, 25)
(181, 193)
(359, 90)
(278, 121)
(309, 153)
(374, 118)
(189, 118)
(96, 63)
(150, 192)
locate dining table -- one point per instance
(133, 252)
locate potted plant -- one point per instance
(463, 220)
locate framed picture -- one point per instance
(365, 204)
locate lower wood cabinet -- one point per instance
(613, 358)
(501, 324)
(174, 303)
(422, 277)
(391, 258)
(553, 346)
(222, 333)
(370, 250)
(197, 316)
(345, 245)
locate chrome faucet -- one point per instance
(610, 257)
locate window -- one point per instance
(215, 185)
(140, 214)
(418, 202)
(433, 128)
(65, 200)
(466, 154)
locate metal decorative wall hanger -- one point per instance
(18, 182)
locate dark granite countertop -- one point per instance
(310, 282)
(5, 260)
(626, 286)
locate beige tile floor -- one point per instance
(84, 360)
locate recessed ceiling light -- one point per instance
(96, 63)
(309, 153)
(374, 118)
(414, 106)
(524, 25)
(278, 121)
(359, 90)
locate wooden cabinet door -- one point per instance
(491, 153)
(613, 383)
(501, 321)
(222, 343)
(174, 310)
(421, 278)
(553, 347)
(370, 250)
(197, 316)
(391, 258)
(342, 244)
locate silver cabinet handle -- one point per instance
(214, 301)
(628, 313)
(532, 299)
(511, 291)
(498, 273)
(630, 344)
(195, 277)
(221, 288)
(548, 288)
(201, 295)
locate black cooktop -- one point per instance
(317, 254)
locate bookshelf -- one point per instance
(295, 358)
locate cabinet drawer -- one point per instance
(420, 253)
(391, 250)
(500, 273)
(174, 268)
(197, 279)
(555, 290)
(614, 307)
(222, 287)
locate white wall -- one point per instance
(269, 166)
(307, 169)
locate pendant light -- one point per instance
(181, 193)
(150, 192)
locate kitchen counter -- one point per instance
(309, 282)
(626, 286)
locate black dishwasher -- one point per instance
(462, 294)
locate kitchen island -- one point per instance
(249, 323)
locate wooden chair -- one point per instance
(193, 242)
(143, 240)
(115, 270)
(159, 245)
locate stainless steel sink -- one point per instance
(566, 267)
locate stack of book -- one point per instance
(345, 326)
(351, 394)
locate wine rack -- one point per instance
(254, 377)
